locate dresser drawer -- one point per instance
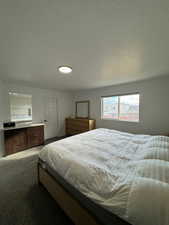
(78, 123)
(77, 126)
(73, 132)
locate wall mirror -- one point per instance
(83, 109)
(20, 107)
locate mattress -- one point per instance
(126, 174)
(102, 216)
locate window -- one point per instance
(20, 107)
(123, 107)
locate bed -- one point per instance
(107, 177)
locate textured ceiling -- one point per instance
(106, 42)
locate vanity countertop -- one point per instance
(25, 125)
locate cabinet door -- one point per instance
(15, 141)
(35, 136)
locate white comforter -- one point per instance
(127, 174)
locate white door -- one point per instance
(51, 117)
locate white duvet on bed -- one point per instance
(126, 174)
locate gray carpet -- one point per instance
(22, 201)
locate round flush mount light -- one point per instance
(65, 69)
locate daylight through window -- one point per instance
(123, 107)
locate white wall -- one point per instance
(154, 105)
(64, 100)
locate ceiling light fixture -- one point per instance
(65, 69)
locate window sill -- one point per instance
(120, 120)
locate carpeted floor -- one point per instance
(22, 201)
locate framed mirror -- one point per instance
(82, 109)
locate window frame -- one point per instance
(119, 95)
(22, 120)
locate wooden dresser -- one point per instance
(19, 139)
(77, 126)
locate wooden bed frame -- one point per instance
(70, 205)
